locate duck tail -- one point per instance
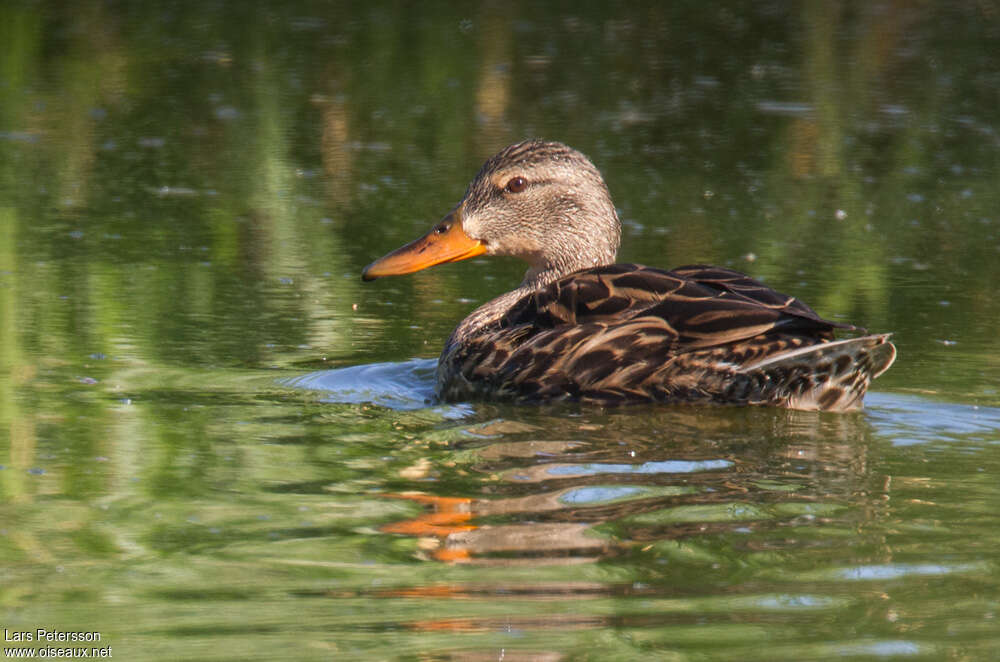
(831, 376)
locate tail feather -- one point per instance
(831, 376)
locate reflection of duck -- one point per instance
(582, 328)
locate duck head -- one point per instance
(542, 202)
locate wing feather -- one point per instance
(628, 332)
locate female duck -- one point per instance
(580, 327)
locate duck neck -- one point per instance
(542, 272)
(486, 314)
(534, 279)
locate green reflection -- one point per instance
(188, 194)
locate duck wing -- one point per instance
(625, 333)
(701, 306)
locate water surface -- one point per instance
(217, 443)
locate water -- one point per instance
(217, 443)
(407, 385)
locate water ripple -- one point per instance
(909, 420)
(404, 385)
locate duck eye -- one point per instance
(516, 185)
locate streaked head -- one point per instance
(542, 202)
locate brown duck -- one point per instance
(580, 327)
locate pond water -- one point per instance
(217, 443)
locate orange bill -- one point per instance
(446, 242)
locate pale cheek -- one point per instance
(471, 228)
(525, 247)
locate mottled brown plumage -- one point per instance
(582, 328)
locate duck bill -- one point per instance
(446, 242)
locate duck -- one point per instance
(581, 327)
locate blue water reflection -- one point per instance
(403, 385)
(663, 467)
(897, 570)
(908, 420)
